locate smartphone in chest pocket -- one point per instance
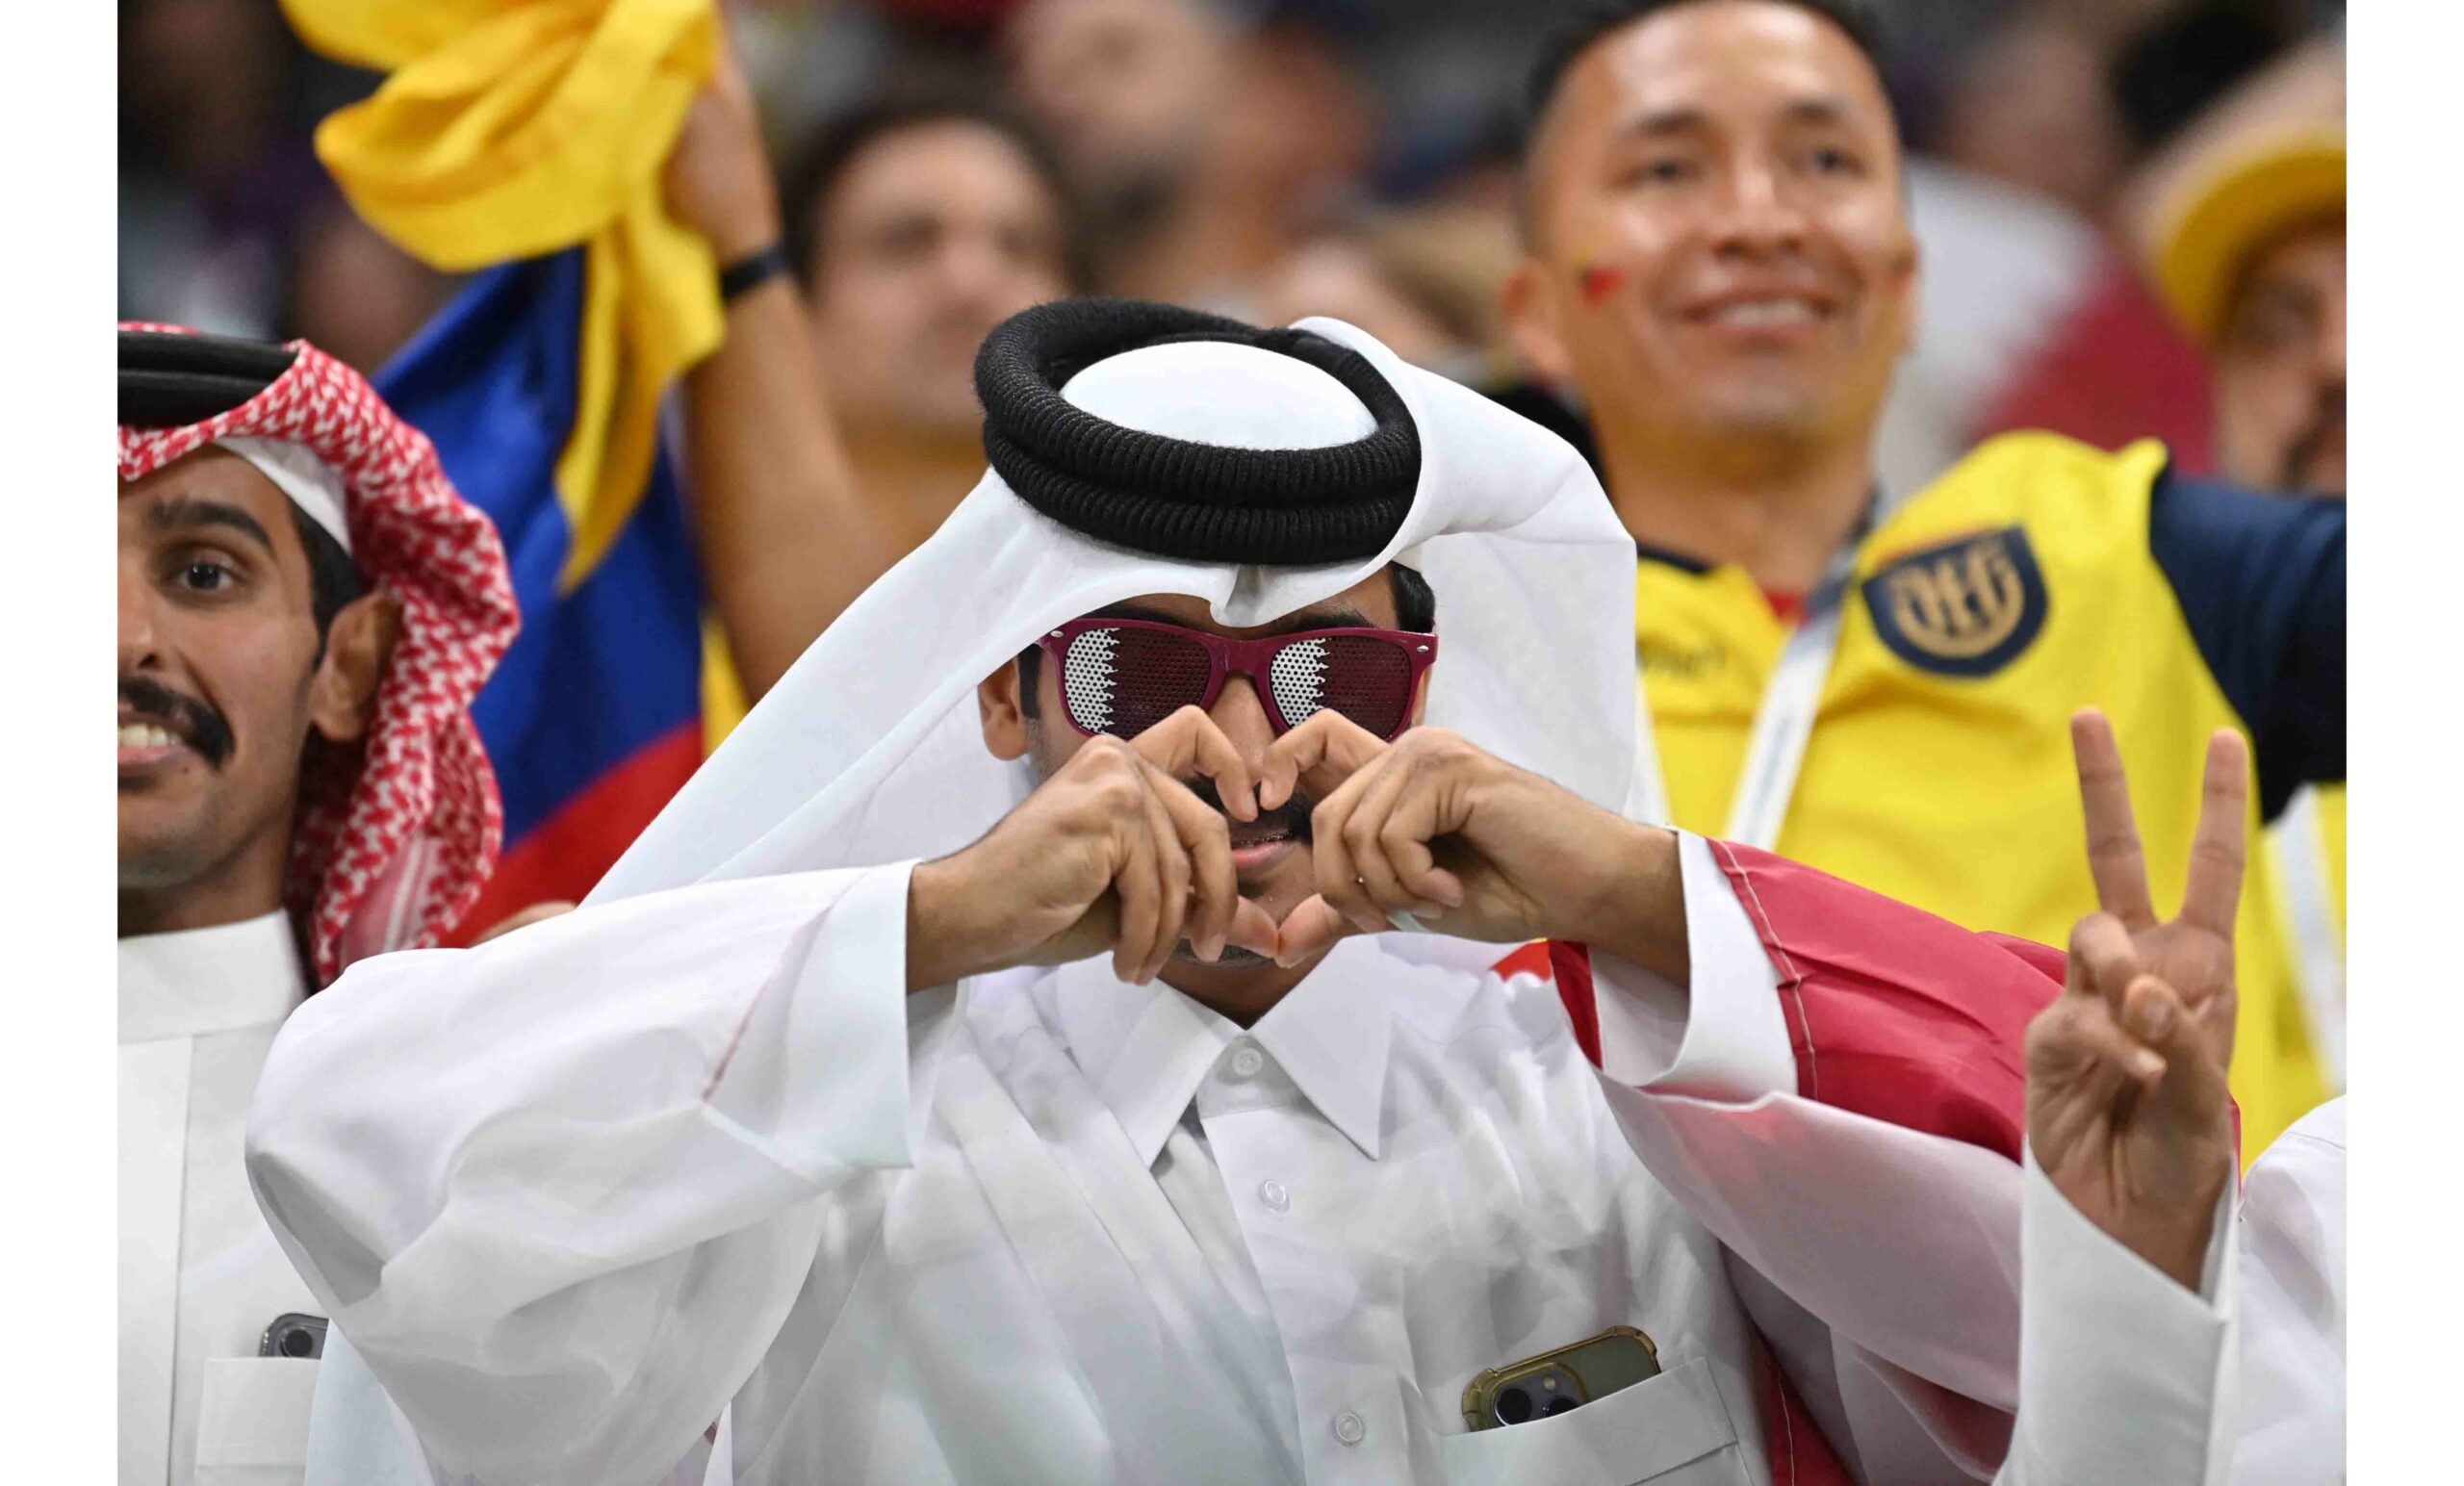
(1555, 1382)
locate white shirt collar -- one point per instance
(199, 980)
(1146, 1048)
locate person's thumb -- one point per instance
(1253, 929)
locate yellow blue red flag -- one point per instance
(524, 139)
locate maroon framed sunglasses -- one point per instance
(1124, 676)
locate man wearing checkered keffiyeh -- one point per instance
(306, 609)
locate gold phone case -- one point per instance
(1536, 1387)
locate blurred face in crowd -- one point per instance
(1123, 86)
(2033, 107)
(2280, 366)
(355, 296)
(1345, 279)
(207, 76)
(1719, 250)
(222, 677)
(932, 234)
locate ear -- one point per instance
(1005, 720)
(1905, 268)
(1531, 322)
(341, 696)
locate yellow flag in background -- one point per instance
(512, 130)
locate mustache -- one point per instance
(1293, 816)
(199, 725)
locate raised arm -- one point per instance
(559, 1190)
(2127, 1329)
(787, 542)
(2261, 581)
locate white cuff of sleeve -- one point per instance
(2123, 1375)
(1722, 1036)
(819, 1067)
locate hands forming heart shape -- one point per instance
(1115, 852)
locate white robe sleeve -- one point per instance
(2291, 1311)
(558, 1190)
(1880, 1262)
(2124, 1375)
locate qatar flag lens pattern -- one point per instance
(1122, 680)
(1366, 679)
(1125, 681)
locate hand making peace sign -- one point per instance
(2128, 1111)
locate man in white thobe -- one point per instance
(991, 1068)
(258, 659)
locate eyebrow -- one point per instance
(1342, 617)
(193, 514)
(1660, 123)
(1817, 110)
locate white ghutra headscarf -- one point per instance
(869, 749)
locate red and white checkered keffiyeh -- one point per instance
(395, 838)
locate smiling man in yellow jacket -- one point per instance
(1719, 263)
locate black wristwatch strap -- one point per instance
(752, 270)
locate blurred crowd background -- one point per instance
(948, 162)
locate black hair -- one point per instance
(1415, 601)
(1582, 30)
(827, 155)
(1415, 610)
(2167, 73)
(1595, 21)
(333, 579)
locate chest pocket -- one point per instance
(252, 1421)
(1670, 1430)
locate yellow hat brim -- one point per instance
(2222, 218)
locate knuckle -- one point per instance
(1118, 791)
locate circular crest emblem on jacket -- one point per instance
(1965, 608)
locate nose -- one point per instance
(1756, 217)
(974, 265)
(1242, 717)
(2329, 353)
(138, 649)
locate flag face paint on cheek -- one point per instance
(1599, 282)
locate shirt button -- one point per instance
(1351, 1429)
(1270, 1193)
(1247, 1062)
